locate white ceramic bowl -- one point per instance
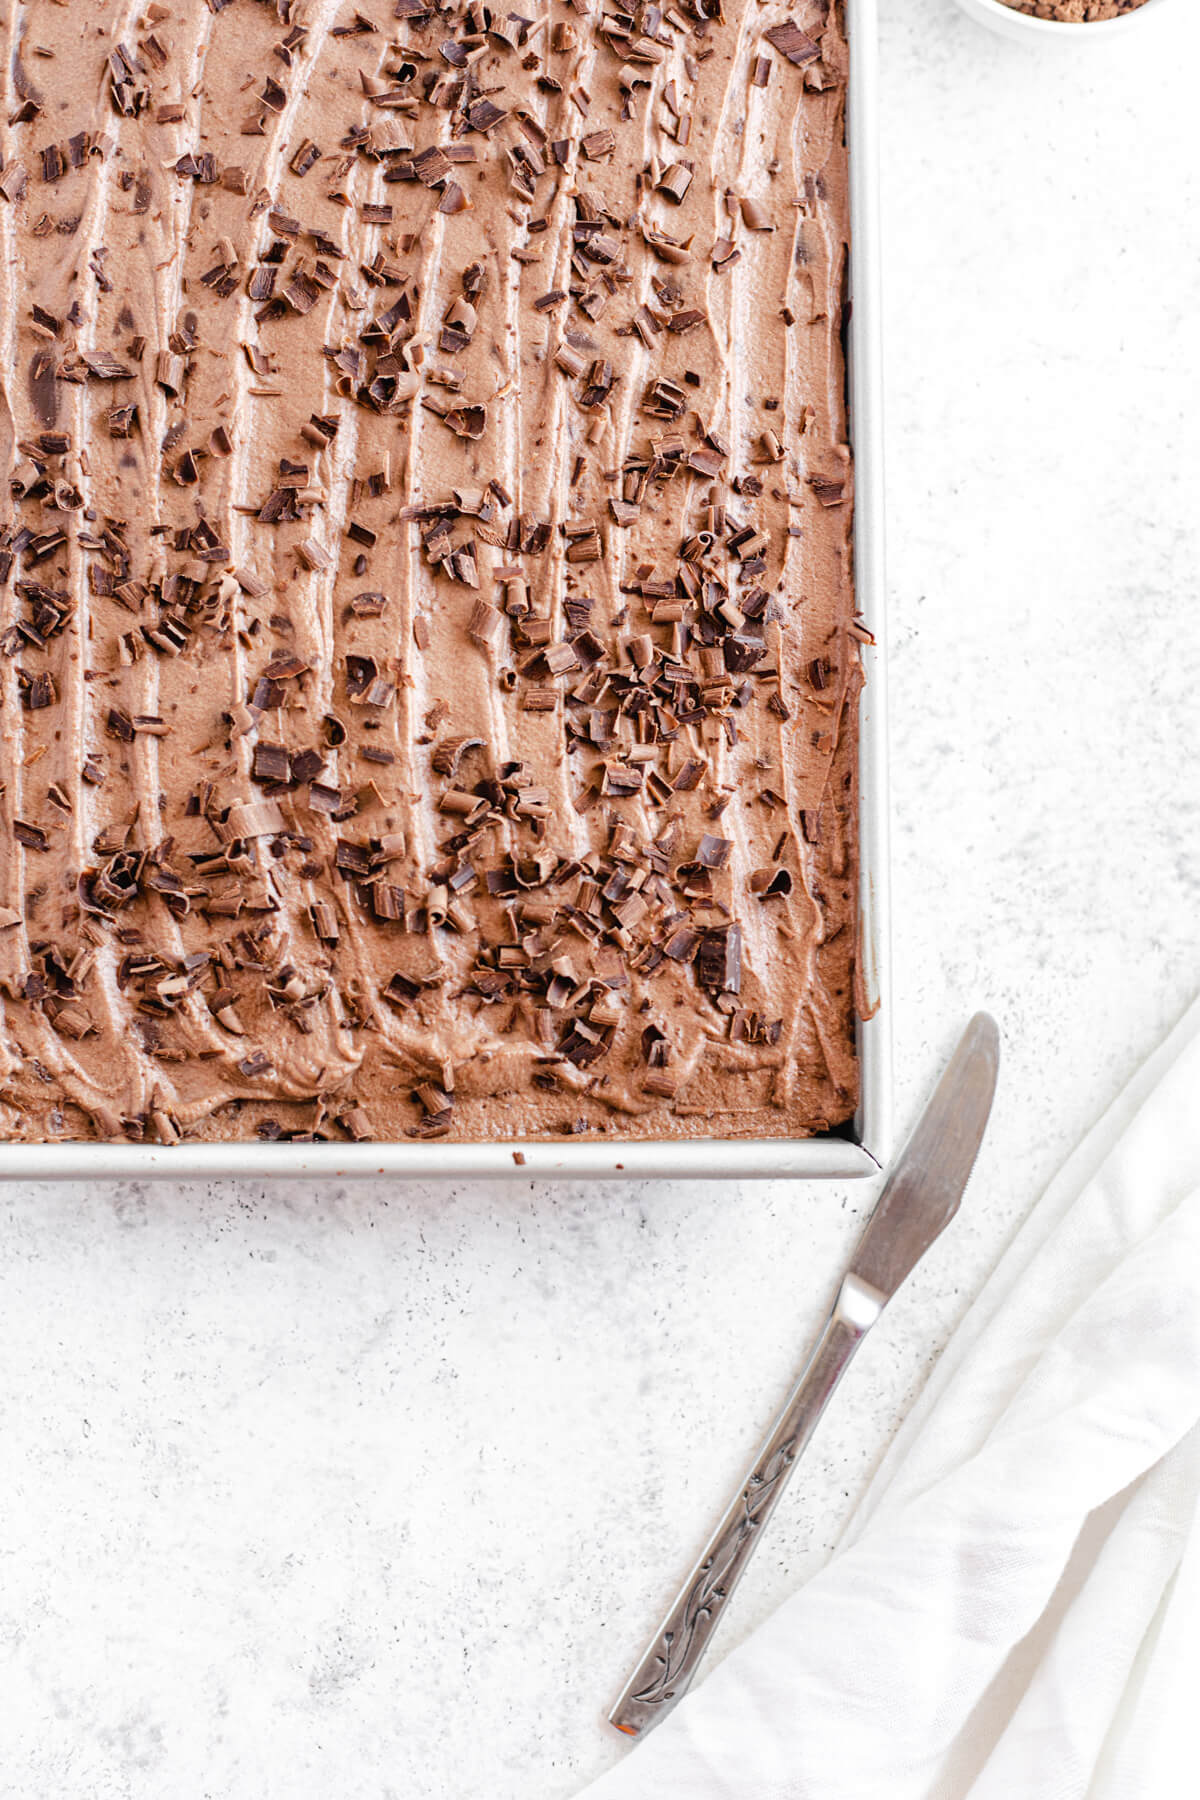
(1010, 23)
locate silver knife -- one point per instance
(918, 1201)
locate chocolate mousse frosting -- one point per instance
(428, 652)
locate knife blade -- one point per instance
(922, 1193)
(918, 1200)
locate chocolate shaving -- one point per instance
(713, 852)
(675, 181)
(793, 43)
(771, 883)
(271, 763)
(829, 490)
(719, 960)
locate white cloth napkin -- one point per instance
(1014, 1610)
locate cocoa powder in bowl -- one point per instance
(1074, 12)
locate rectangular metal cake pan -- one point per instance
(866, 1146)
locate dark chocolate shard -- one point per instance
(719, 960)
(793, 43)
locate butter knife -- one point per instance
(918, 1200)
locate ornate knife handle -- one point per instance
(665, 1672)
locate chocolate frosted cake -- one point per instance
(429, 655)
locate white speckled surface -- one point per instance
(375, 1492)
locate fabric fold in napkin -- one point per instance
(1014, 1609)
